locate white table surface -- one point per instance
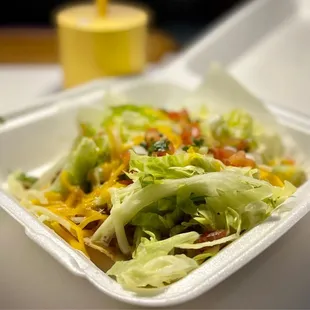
(31, 279)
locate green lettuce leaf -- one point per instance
(254, 213)
(209, 252)
(197, 246)
(151, 220)
(212, 186)
(152, 265)
(80, 161)
(281, 194)
(192, 224)
(183, 165)
(160, 217)
(131, 120)
(235, 125)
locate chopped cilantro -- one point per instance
(198, 142)
(159, 146)
(143, 144)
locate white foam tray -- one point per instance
(35, 139)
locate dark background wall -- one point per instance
(182, 18)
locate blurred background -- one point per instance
(30, 62)
(28, 26)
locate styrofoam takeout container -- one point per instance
(36, 139)
(265, 44)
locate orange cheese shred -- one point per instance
(271, 178)
(78, 245)
(92, 218)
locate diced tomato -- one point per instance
(232, 158)
(175, 116)
(179, 116)
(186, 135)
(196, 132)
(159, 153)
(240, 160)
(184, 116)
(243, 145)
(190, 130)
(211, 236)
(221, 153)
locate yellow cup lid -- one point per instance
(118, 17)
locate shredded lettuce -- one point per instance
(209, 252)
(27, 180)
(17, 189)
(220, 92)
(132, 120)
(233, 126)
(177, 166)
(280, 194)
(208, 243)
(214, 186)
(166, 213)
(152, 265)
(81, 160)
(50, 174)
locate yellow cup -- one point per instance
(91, 46)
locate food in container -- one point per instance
(162, 190)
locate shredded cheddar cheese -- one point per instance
(53, 196)
(102, 192)
(271, 178)
(174, 138)
(76, 213)
(73, 197)
(92, 218)
(114, 142)
(137, 140)
(66, 236)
